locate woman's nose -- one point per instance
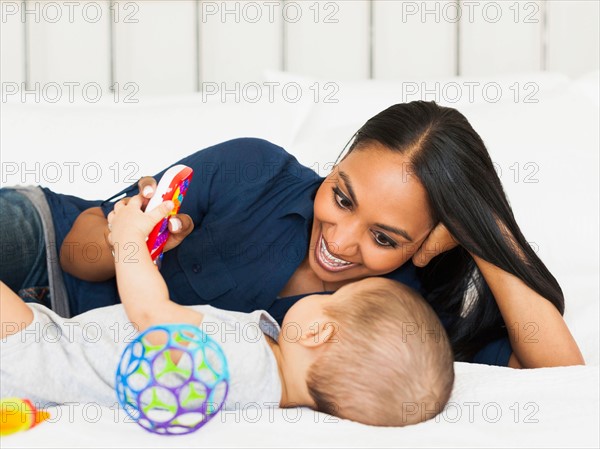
(343, 241)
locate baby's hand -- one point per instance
(128, 224)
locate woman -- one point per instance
(416, 199)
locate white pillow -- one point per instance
(94, 150)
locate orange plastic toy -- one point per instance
(18, 414)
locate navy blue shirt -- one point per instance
(252, 207)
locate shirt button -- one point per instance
(196, 268)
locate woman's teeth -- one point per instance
(330, 261)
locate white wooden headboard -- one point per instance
(176, 46)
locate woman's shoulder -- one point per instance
(249, 161)
(245, 149)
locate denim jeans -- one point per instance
(22, 248)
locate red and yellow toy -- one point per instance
(19, 414)
(173, 186)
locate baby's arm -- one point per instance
(142, 289)
(15, 315)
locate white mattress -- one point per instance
(558, 214)
(490, 407)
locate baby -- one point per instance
(372, 352)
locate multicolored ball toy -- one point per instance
(172, 379)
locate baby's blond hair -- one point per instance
(389, 363)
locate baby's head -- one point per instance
(373, 352)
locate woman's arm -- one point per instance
(85, 252)
(538, 334)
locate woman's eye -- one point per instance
(384, 240)
(341, 200)
(344, 202)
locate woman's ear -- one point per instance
(319, 333)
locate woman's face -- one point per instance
(371, 215)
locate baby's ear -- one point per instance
(319, 333)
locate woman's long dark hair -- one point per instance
(466, 195)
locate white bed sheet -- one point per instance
(558, 213)
(490, 407)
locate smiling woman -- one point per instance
(461, 197)
(370, 217)
(416, 199)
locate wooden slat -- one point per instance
(500, 37)
(410, 43)
(155, 47)
(572, 36)
(171, 46)
(12, 62)
(68, 43)
(238, 41)
(329, 39)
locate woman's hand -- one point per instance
(180, 225)
(438, 241)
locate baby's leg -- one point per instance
(15, 315)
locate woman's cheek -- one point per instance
(324, 208)
(384, 260)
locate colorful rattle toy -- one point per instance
(173, 186)
(19, 414)
(175, 386)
